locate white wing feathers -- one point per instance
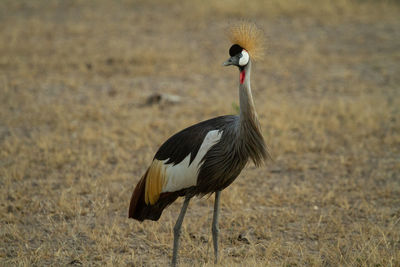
(183, 175)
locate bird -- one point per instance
(206, 157)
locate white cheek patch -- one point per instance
(244, 59)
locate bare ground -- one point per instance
(76, 133)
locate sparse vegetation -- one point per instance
(76, 133)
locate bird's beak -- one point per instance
(228, 62)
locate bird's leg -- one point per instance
(215, 228)
(177, 231)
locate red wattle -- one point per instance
(242, 76)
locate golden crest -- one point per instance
(248, 36)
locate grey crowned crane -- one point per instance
(206, 157)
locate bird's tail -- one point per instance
(139, 210)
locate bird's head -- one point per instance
(248, 44)
(239, 56)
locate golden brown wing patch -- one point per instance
(154, 182)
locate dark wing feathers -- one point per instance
(189, 140)
(175, 149)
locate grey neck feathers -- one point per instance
(252, 144)
(247, 108)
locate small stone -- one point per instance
(158, 98)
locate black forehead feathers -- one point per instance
(235, 49)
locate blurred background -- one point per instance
(90, 89)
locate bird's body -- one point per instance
(203, 158)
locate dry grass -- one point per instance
(75, 136)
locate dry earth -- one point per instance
(77, 132)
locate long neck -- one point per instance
(247, 108)
(250, 131)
